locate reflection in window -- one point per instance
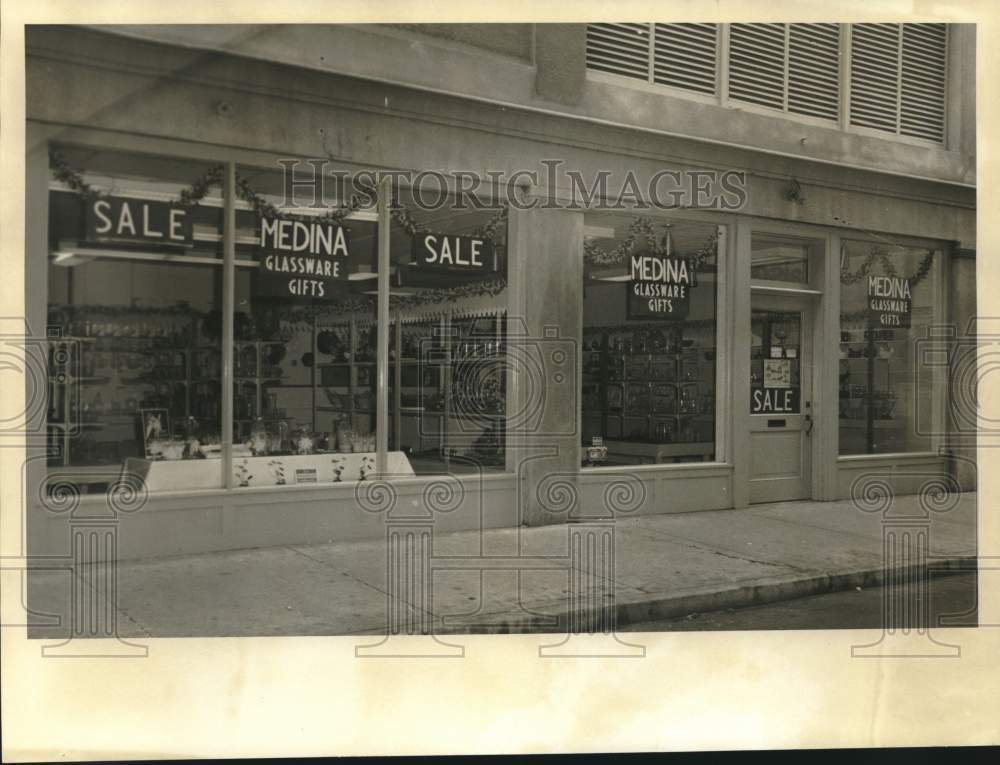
(775, 259)
(448, 348)
(649, 340)
(886, 303)
(306, 365)
(135, 360)
(304, 355)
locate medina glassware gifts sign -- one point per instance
(659, 286)
(301, 259)
(890, 301)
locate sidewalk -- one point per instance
(666, 565)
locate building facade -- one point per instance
(263, 374)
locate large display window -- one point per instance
(305, 355)
(137, 280)
(448, 348)
(888, 298)
(648, 389)
(134, 316)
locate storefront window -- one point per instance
(305, 359)
(135, 300)
(304, 355)
(776, 259)
(649, 340)
(134, 307)
(887, 301)
(449, 307)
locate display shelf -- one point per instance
(645, 397)
(187, 376)
(871, 359)
(179, 342)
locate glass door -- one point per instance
(780, 399)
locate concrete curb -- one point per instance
(659, 606)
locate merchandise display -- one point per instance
(874, 382)
(132, 382)
(650, 386)
(447, 385)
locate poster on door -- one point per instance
(775, 393)
(777, 373)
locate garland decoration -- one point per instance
(642, 229)
(64, 173)
(189, 197)
(879, 254)
(193, 194)
(478, 289)
(265, 209)
(197, 190)
(213, 176)
(402, 216)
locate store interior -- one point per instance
(136, 373)
(648, 391)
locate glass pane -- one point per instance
(135, 374)
(779, 260)
(304, 356)
(775, 356)
(450, 299)
(649, 329)
(886, 304)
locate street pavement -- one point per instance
(510, 580)
(952, 601)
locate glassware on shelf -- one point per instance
(258, 437)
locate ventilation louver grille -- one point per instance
(757, 64)
(685, 56)
(898, 76)
(814, 70)
(619, 49)
(898, 72)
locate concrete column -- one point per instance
(545, 277)
(961, 409)
(738, 357)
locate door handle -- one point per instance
(809, 424)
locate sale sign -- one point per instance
(456, 254)
(120, 220)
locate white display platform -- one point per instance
(183, 475)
